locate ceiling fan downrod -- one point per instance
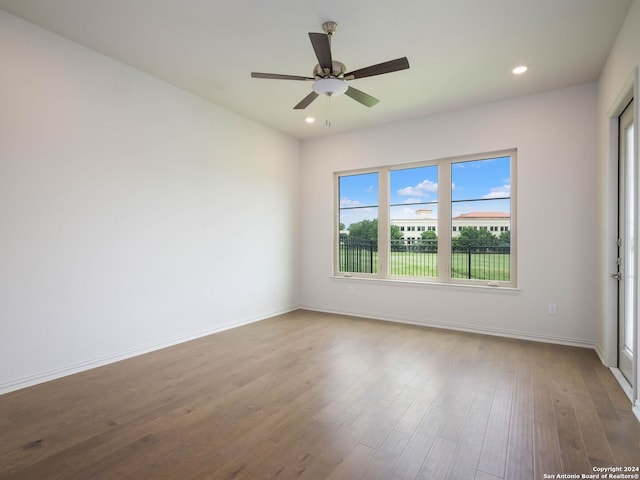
(329, 27)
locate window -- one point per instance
(358, 219)
(480, 193)
(466, 231)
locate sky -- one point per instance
(479, 185)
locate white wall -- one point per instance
(616, 78)
(117, 193)
(554, 133)
(119, 199)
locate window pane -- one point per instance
(630, 241)
(358, 217)
(481, 219)
(413, 211)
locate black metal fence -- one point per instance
(358, 255)
(420, 259)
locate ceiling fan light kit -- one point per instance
(330, 86)
(330, 77)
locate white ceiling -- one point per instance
(461, 51)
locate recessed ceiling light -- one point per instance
(309, 119)
(520, 69)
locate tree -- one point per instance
(396, 234)
(367, 229)
(505, 238)
(429, 235)
(472, 237)
(428, 241)
(428, 238)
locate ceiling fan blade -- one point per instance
(379, 69)
(361, 97)
(277, 76)
(304, 103)
(322, 46)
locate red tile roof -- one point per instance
(483, 215)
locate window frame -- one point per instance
(444, 221)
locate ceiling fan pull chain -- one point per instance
(327, 122)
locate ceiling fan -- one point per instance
(330, 76)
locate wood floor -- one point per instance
(315, 396)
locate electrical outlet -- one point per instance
(553, 309)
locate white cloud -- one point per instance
(348, 203)
(349, 217)
(422, 190)
(499, 192)
(456, 211)
(408, 213)
(412, 200)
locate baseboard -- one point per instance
(42, 377)
(53, 374)
(636, 410)
(600, 354)
(573, 342)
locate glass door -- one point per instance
(626, 274)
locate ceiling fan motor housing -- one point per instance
(338, 69)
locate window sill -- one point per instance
(394, 282)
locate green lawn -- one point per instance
(414, 264)
(484, 266)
